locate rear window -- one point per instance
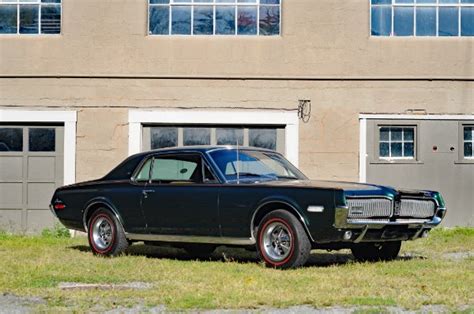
(125, 170)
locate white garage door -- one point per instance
(31, 167)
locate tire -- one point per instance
(199, 250)
(105, 233)
(372, 252)
(282, 241)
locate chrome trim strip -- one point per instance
(252, 221)
(189, 239)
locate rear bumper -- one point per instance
(385, 229)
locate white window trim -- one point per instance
(363, 132)
(214, 4)
(69, 118)
(136, 118)
(415, 5)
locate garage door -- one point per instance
(270, 137)
(31, 167)
(429, 154)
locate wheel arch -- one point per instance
(94, 205)
(272, 205)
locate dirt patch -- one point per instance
(10, 303)
(458, 255)
(99, 286)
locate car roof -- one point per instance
(204, 149)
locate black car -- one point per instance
(197, 198)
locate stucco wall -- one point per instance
(319, 38)
(329, 143)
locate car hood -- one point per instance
(349, 188)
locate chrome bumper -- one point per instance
(343, 222)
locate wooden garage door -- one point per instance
(31, 167)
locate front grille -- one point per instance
(417, 208)
(368, 208)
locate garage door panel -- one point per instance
(9, 220)
(39, 195)
(41, 168)
(11, 168)
(37, 220)
(11, 195)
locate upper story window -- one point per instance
(30, 16)
(468, 142)
(422, 17)
(397, 142)
(214, 17)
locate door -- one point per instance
(426, 154)
(31, 167)
(181, 196)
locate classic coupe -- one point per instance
(198, 198)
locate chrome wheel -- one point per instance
(277, 241)
(102, 233)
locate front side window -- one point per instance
(422, 17)
(30, 17)
(214, 17)
(468, 142)
(397, 142)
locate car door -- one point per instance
(180, 198)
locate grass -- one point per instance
(233, 278)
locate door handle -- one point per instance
(146, 192)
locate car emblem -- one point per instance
(396, 208)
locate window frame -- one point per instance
(459, 5)
(40, 4)
(462, 157)
(214, 4)
(400, 159)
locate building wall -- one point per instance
(329, 142)
(319, 39)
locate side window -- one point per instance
(396, 142)
(181, 168)
(468, 141)
(144, 174)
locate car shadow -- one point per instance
(238, 255)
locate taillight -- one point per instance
(58, 204)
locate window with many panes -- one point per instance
(468, 142)
(214, 17)
(422, 17)
(30, 16)
(270, 137)
(397, 142)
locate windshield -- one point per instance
(253, 165)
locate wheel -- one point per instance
(105, 233)
(282, 241)
(199, 250)
(372, 252)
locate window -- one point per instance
(11, 139)
(171, 136)
(214, 17)
(422, 17)
(397, 142)
(42, 139)
(468, 142)
(30, 16)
